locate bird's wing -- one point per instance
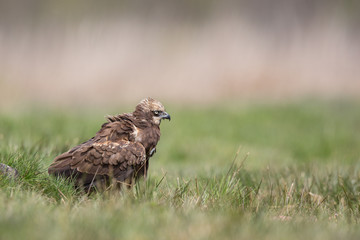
(114, 159)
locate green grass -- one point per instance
(269, 171)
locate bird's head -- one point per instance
(152, 110)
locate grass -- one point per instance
(295, 175)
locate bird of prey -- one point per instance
(119, 152)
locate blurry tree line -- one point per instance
(261, 12)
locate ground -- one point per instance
(226, 171)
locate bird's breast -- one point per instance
(147, 137)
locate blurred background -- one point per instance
(96, 53)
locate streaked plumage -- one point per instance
(120, 150)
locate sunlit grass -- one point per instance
(259, 171)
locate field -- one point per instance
(227, 171)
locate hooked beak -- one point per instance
(165, 115)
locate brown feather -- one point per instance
(120, 149)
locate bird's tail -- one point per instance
(61, 165)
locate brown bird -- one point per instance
(119, 152)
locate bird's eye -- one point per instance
(156, 113)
